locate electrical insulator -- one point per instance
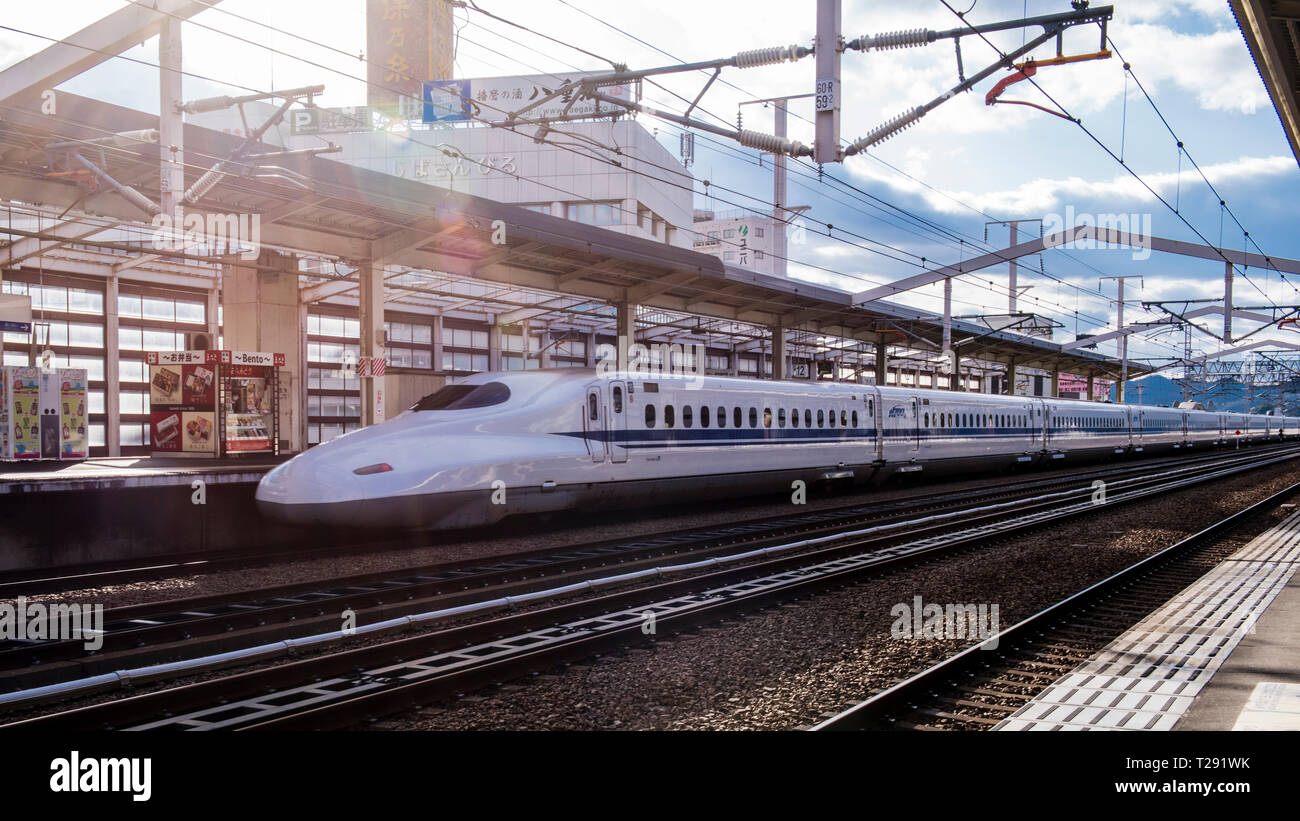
(769, 56)
(770, 143)
(897, 39)
(884, 132)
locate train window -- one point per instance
(649, 416)
(735, 418)
(780, 417)
(807, 418)
(821, 418)
(593, 408)
(830, 418)
(669, 416)
(767, 417)
(618, 399)
(871, 407)
(844, 418)
(794, 418)
(688, 415)
(722, 417)
(753, 417)
(927, 420)
(463, 397)
(704, 416)
(855, 419)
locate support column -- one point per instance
(437, 343)
(494, 346)
(214, 327)
(371, 297)
(112, 371)
(625, 324)
(1091, 392)
(544, 357)
(590, 348)
(778, 353)
(733, 361)
(1009, 389)
(882, 363)
(263, 312)
(1056, 384)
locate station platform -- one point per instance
(111, 510)
(1224, 654)
(129, 472)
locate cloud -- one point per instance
(1044, 195)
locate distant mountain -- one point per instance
(1225, 395)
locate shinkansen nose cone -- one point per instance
(331, 483)
(393, 474)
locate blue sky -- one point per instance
(980, 162)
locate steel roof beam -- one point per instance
(1109, 236)
(96, 43)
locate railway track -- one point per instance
(171, 630)
(343, 688)
(976, 689)
(40, 581)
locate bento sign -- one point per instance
(214, 358)
(255, 358)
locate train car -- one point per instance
(498, 444)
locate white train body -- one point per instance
(499, 444)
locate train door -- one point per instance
(593, 424)
(1049, 419)
(916, 425)
(618, 412)
(872, 402)
(1138, 428)
(1030, 430)
(1185, 440)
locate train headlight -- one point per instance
(382, 467)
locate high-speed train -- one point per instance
(500, 444)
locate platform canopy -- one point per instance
(1272, 32)
(536, 264)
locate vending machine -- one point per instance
(43, 413)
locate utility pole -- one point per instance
(171, 126)
(953, 362)
(1122, 343)
(780, 210)
(1013, 265)
(829, 44)
(778, 195)
(1227, 303)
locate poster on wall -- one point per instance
(200, 434)
(72, 404)
(25, 411)
(183, 402)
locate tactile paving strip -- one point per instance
(1147, 678)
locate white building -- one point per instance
(738, 238)
(648, 193)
